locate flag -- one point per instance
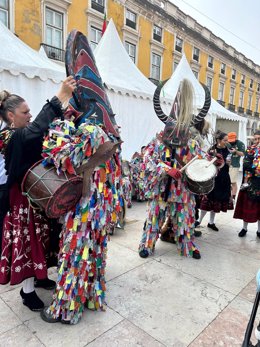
(104, 24)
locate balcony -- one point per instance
(240, 109)
(130, 23)
(249, 112)
(156, 82)
(157, 37)
(221, 102)
(54, 52)
(96, 6)
(256, 114)
(232, 107)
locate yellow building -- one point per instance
(155, 34)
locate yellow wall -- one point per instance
(28, 22)
(144, 49)
(168, 41)
(77, 16)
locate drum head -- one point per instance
(201, 171)
(65, 198)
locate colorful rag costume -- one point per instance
(170, 202)
(26, 246)
(83, 245)
(248, 201)
(136, 166)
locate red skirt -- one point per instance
(216, 206)
(247, 209)
(25, 241)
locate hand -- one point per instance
(220, 161)
(232, 150)
(175, 173)
(67, 87)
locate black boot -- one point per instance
(46, 283)
(144, 253)
(32, 301)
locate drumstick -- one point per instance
(191, 161)
(211, 162)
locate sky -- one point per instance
(235, 21)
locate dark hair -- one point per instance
(8, 102)
(219, 135)
(257, 132)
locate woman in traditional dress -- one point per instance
(25, 244)
(248, 201)
(219, 199)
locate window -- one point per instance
(130, 19)
(251, 84)
(258, 87)
(196, 54)
(256, 104)
(249, 104)
(223, 68)
(156, 66)
(210, 62)
(221, 91)
(243, 79)
(233, 74)
(54, 28)
(131, 50)
(95, 36)
(196, 74)
(4, 12)
(209, 83)
(157, 33)
(178, 44)
(98, 5)
(241, 98)
(232, 95)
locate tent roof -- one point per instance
(16, 57)
(118, 71)
(184, 71)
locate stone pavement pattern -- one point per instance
(164, 300)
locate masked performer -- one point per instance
(171, 203)
(87, 145)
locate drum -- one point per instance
(53, 193)
(200, 176)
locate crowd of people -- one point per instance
(77, 243)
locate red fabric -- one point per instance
(24, 242)
(246, 209)
(216, 206)
(175, 173)
(104, 24)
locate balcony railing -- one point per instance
(156, 82)
(256, 114)
(221, 102)
(241, 109)
(231, 107)
(130, 23)
(54, 52)
(96, 6)
(157, 37)
(249, 112)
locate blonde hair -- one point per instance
(186, 103)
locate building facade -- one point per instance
(155, 34)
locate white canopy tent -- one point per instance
(26, 72)
(129, 92)
(216, 110)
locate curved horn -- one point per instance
(199, 118)
(156, 103)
